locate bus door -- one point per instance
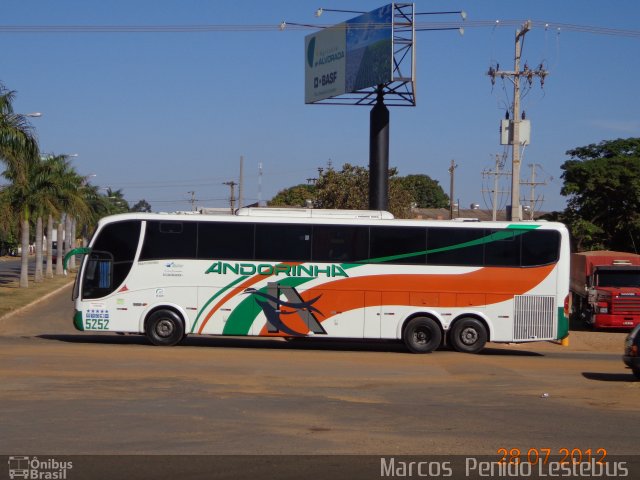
(373, 313)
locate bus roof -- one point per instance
(327, 217)
(314, 213)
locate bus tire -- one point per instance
(422, 335)
(164, 328)
(468, 335)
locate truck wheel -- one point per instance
(636, 372)
(422, 335)
(164, 328)
(588, 318)
(468, 335)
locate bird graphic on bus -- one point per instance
(272, 304)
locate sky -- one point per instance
(162, 114)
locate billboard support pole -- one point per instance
(379, 154)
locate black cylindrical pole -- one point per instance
(379, 155)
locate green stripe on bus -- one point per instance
(510, 232)
(218, 293)
(563, 324)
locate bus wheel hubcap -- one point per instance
(421, 336)
(469, 336)
(164, 328)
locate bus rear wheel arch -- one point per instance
(468, 335)
(164, 327)
(422, 334)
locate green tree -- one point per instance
(116, 201)
(349, 189)
(98, 205)
(46, 189)
(72, 205)
(426, 192)
(602, 183)
(18, 195)
(295, 196)
(9, 233)
(18, 150)
(141, 206)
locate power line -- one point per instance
(208, 28)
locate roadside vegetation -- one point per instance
(348, 188)
(602, 186)
(13, 298)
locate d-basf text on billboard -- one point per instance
(350, 56)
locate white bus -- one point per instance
(325, 273)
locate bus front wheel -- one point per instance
(164, 327)
(468, 335)
(422, 335)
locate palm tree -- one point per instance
(8, 227)
(19, 195)
(47, 189)
(18, 150)
(71, 202)
(117, 202)
(99, 206)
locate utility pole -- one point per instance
(516, 209)
(260, 184)
(532, 183)
(241, 180)
(193, 200)
(496, 173)
(232, 197)
(452, 170)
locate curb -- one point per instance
(35, 302)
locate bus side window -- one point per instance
(225, 241)
(455, 246)
(340, 243)
(540, 247)
(503, 250)
(402, 245)
(281, 242)
(164, 240)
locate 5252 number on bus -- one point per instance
(96, 324)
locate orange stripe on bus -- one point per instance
(481, 287)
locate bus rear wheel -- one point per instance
(422, 335)
(468, 335)
(164, 328)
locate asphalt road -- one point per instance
(67, 392)
(10, 269)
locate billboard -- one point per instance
(350, 56)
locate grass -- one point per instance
(12, 297)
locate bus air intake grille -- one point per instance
(534, 317)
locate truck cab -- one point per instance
(606, 289)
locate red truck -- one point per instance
(605, 288)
